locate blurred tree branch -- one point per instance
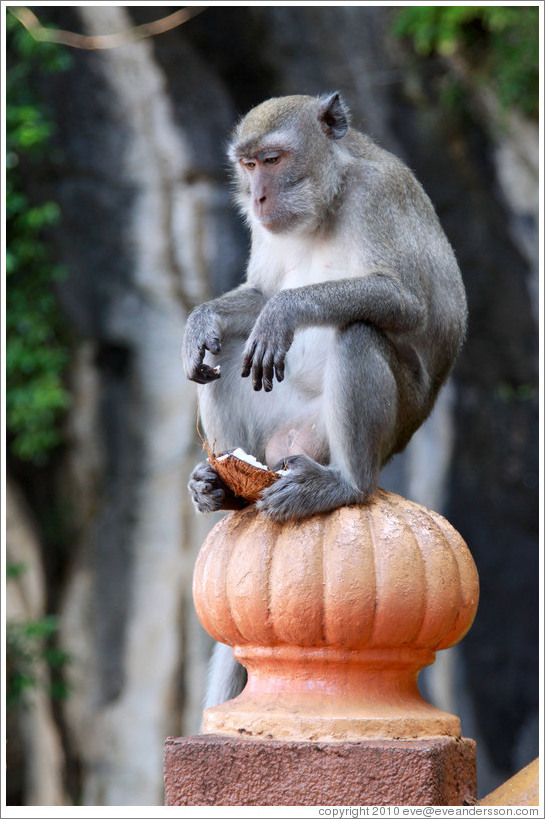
(28, 19)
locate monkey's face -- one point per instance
(278, 195)
(287, 161)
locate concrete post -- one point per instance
(333, 617)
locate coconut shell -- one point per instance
(244, 479)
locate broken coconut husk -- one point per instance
(242, 473)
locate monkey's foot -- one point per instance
(306, 489)
(209, 493)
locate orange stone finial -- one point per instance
(333, 617)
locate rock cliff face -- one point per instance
(148, 232)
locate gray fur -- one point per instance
(349, 322)
(226, 677)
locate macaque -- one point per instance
(331, 354)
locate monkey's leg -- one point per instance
(209, 493)
(363, 398)
(360, 411)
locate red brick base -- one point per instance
(217, 770)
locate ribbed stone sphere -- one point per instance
(386, 574)
(334, 617)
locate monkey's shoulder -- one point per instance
(379, 169)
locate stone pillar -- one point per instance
(333, 617)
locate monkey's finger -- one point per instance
(257, 377)
(197, 357)
(197, 486)
(203, 374)
(247, 360)
(279, 361)
(257, 369)
(268, 371)
(211, 373)
(213, 344)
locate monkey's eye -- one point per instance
(272, 160)
(249, 164)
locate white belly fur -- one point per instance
(286, 421)
(306, 360)
(289, 419)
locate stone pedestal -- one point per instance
(215, 770)
(333, 618)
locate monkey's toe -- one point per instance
(205, 497)
(206, 493)
(291, 497)
(307, 488)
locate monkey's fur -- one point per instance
(353, 302)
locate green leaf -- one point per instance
(499, 44)
(15, 570)
(37, 348)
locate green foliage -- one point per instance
(36, 349)
(499, 45)
(508, 393)
(15, 570)
(29, 644)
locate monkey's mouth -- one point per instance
(278, 224)
(273, 226)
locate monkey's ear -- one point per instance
(333, 116)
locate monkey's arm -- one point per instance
(234, 313)
(379, 299)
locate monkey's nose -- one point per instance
(261, 205)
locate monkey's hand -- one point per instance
(209, 493)
(202, 333)
(268, 343)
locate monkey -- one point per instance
(332, 352)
